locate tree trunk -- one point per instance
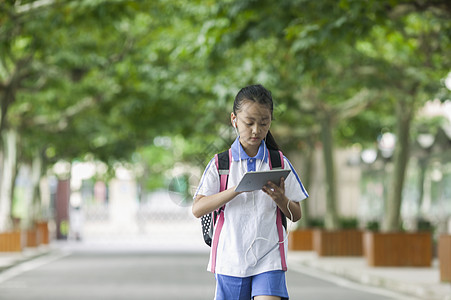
(331, 218)
(9, 172)
(32, 199)
(36, 175)
(307, 172)
(392, 216)
(422, 164)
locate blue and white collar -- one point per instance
(237, 149)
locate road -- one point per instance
(132, 275)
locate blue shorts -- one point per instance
(245, 288)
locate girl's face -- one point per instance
(252, 122)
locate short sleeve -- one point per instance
(209, 183)
(294, 189)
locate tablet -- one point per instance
(252, 181)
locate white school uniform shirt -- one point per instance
(249, 241)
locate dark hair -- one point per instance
(257, 93)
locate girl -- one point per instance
(249, 259)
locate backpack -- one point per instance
(222, 161)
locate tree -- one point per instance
(412, 41)
(99, 78)
(400, 51)
(40, 77)
(303, 48)
(104, 78)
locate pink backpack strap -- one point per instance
(281, 159)
(223, 166)
(214, 246)
(280, 230)
(276, 159)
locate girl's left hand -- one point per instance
(289, 208)
(277, 193)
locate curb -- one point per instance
(11, 259)
(366, 276)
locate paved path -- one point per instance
(129, 275)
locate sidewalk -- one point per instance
(10, 259)
(415, 283)
(421, 283)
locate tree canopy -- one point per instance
(107, 78)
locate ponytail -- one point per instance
(271, 142)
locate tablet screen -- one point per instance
(252, 181)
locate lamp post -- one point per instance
(386, 144)
(368, 156)
(425, 141)
(369, 200)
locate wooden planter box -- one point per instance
(444, 257)
(10, 241)
(31, 238)
(398, 249)
(338, 243)
(43, 233)
(301, 240)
